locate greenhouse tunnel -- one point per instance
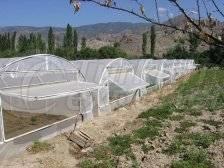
(119, 84)
(150, 71)
(41, 91)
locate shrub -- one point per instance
(111, 52)
(87, 53)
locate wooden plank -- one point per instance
(80, 138)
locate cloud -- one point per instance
(165, 12)
(162, 11)
(171, 15)
(194, 12)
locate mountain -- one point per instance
(89, 31)
(98, 35)
(129, 35)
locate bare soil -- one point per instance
(17, 123)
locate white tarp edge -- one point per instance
(49, 91)
(127, 81)
(157, 74)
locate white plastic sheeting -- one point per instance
(1, 125)
(127, 81)
(51, 90)
(40, 90)
(159, 71)
(150, 71)
(108, 73)
(104, 96)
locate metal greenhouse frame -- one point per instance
(119, 84)
(40, 96)
(150, 71)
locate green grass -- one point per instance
(193, 158)
(88, 163)
(199, 140)
(161, 112)
(120, 144)
(146, 132)
(214, 123)
(40, 147)
(184, 125)
(177, 117)
(203, 140)
(203, 91)
(102, 152)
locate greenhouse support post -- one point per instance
(2, 122)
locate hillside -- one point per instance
(89, 31)
(128, 34)
(98, 35)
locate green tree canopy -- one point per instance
(111, 52)
(51, 40)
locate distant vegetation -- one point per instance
(34, 44)
(15, 44)
(188, 48)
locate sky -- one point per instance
(59, 13)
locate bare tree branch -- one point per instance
(199, 31)
(216, 6)
(199, 12)
(206, 8)
(157, 10)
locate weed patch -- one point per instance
(146, 132)
(193, 158)
(184, 126)
(88, 163)
(40, 147)
(211, 122)
(177, 117)
(161, 112)
(120, 144)
(199, 140)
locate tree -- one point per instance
(5, 42)
(69, 43)
(194, 42)
(153, 41)
(83, 43)
(75, 41)
(117, 45)
(68, 38)
(32, 45)
(41, 46)
(200, 22)
(23, 43)
(13, 41)
(111, 52)
(87, 53)
(51, 41)
(144, 43)
(178, 52)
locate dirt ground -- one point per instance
(99, 129)
(17, 123)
